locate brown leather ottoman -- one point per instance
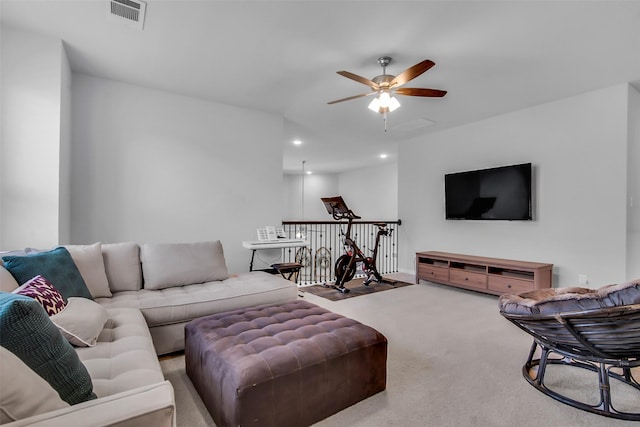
(289, 364)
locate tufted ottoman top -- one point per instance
(261, 343)
(283, 365)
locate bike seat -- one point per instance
(380, 224)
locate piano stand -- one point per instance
(286, 268)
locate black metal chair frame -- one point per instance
(288, 270)
(600, 341)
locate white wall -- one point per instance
(316, 186)
(64, 188)
(578, 147)
(633, 181)
(34, 121)
(370, 192)
(151, 166)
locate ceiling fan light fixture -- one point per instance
(385, 86)
(393, 103)
(384, 103)
(374, 105)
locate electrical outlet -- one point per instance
(582, 279)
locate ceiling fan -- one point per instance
(386, 85)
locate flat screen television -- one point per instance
(502, 193)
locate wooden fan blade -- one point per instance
(352, 97)
(413, 91)
(359, 79)
(411, 73)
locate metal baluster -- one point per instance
(330, 236)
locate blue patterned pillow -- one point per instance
(28, 333)
(56, 265)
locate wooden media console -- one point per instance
(489, 275)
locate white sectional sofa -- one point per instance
(145, 294)
(172, 284)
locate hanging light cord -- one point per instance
(303, 162)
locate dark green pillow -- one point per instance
(27, 332)
(56, 265)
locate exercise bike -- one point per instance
(346, 264)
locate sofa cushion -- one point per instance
(122, 266)
(88, 259)
(7, 281)
(181, 304)
(81, 321)
(23, 392)
(19, 252)
(178, 264)
(56, 265)
(28, 332)
(40, 289)
(565, 300)
(124, 357)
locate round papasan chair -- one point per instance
(593, 329)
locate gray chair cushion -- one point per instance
(565, 300)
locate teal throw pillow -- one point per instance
(56, 265)
(27, 332)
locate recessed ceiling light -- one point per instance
(297, 142)
(309, 172)
(383, 156)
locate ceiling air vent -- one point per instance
(129, 12)
(412, 125)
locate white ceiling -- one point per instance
(282, 56)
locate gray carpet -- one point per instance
(356, 289)
(453, 361)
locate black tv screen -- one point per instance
(502, 193)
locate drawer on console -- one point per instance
(430, 272)
(509, 285)
(468, 278)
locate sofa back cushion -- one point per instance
(178, 264)
(23, 392)
(88, 259)
(122, 265)
(7, 281)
